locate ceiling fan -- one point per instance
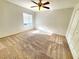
(40, 4)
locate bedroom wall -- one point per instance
(11, 19)
(55, 21)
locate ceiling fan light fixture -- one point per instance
(40, 4)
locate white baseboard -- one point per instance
(12, 33)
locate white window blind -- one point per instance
(27, 19)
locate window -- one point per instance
(27, 19)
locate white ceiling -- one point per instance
(54, 4)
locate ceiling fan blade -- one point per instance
(34, 2)
(46, 3)
(33, 6)
(46, 7)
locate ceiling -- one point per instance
(54, 4)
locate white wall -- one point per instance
(55, 21)
(11, 20)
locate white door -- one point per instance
(76, 39)
(75, 34)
